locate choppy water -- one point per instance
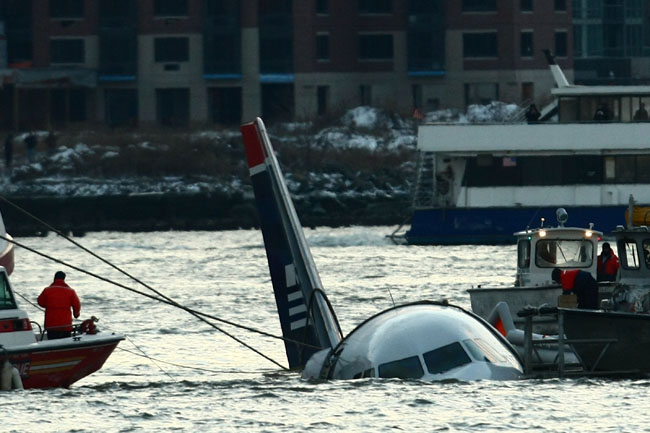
(229, 388)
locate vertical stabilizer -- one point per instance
(305, 315)
(558, 75)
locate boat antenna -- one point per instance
(542, 219)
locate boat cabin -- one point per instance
(541, 250)
(633, 246)
(602, 103)
(15, 326)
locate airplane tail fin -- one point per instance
(556, 71)
(306, 317)
(501, 319)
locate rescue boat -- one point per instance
(36, 362)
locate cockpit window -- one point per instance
(407, 368)
(564, 253)
(7, 301)
(481, 351)
(445, 358)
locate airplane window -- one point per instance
(482, 351)
(445, 358)
(407, 368)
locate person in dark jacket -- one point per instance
(607, 264)
(579, 282)
(58, 299)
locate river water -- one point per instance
(174, 373)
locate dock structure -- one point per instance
(559, 368)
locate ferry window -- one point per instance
(523, 253)
(643, 169)
(625, 168)
(407, 368)
(551, 253)
(646, 252)
(446, 358)
(628, 254)
(7, 301)
(582, 169)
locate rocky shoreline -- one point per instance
(210, 211)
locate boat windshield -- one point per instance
(7, 301)
(564, 253)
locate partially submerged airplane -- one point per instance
(422, 340)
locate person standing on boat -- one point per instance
(579, 282)
(607, 264)
(58, 299)
(641, 115)
(532, 114)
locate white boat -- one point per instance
(479, 183)
(539, 251)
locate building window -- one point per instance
(66, 8)
(67, 51)
(171, 49)
(375, 6)
(526, 48)
(479, 5)
(561, 44)
(560, 5)
(323, 47)
(526, 5)
(167, 8)
(322, 96)
(480, 45)
(376, 47)
(322, 7)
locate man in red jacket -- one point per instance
(607, 264)
(57, 299)
(579, 282)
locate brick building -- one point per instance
(184, 62)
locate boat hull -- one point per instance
(477, 226)
(631, 332)
(60, 363)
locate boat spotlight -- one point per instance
(562, 216)
(588, 233)
(542, 233)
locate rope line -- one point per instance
(164, 300)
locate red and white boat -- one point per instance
(43, 363)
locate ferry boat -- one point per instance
(479, 183)
(29, 360)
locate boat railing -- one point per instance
(560, 368)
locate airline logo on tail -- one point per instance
(307, 322)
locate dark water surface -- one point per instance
(174, 373)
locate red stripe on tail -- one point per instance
(499, 326)
(253, 144)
